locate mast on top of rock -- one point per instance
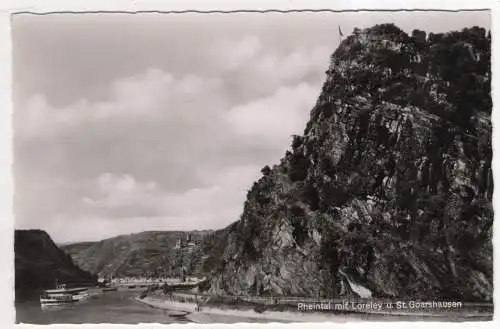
(341, 36)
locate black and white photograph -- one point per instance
(252, 167)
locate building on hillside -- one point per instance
(178, 245)
(187, 243)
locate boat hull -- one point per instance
(44, 301)
(80, 297)
(63, 297)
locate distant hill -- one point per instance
(146, 253)
(39, 262)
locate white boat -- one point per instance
(62, 295)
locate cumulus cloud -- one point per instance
(292, 67)
(122, 196)
(156, 93)
(37, 117)
(129, 123)
(120, 204)
(232, 54)
(273, 119)
(153, 94)
(255, 70)
(163, 149)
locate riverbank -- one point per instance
(246, 313)
(210, 314)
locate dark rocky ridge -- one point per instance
(39, 263)
(390, 185)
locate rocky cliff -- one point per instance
(145, 253)
(39, 263)
(388, 191)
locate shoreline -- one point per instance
(214, 314)
(209, 314)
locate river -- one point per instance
(109, 307)
(120, 307)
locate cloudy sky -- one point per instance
(125, 123)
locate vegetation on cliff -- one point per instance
(390, 186)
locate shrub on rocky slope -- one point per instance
(389, 187)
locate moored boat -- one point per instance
(62, 295)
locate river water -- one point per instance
(109, 307)
(121, 307)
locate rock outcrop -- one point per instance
(39, 263)
(389, 189)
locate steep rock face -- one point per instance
(390, 186)
(39, 263)
(145, 253)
